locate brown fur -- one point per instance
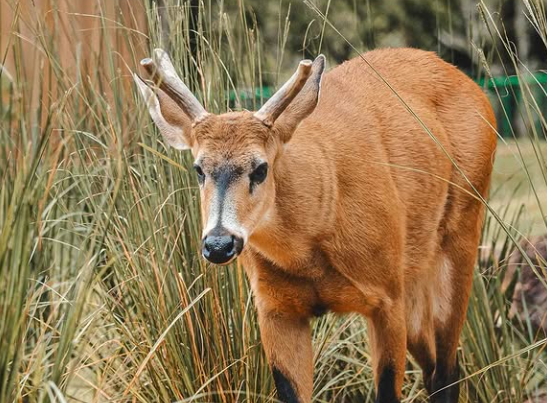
(362, 211)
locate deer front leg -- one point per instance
(286, 340)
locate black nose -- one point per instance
(221, 248)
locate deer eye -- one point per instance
(259, 174)
(200, 173)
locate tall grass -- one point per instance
(103, 296)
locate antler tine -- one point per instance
(164, 75)
(271, 110)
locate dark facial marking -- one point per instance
(199, 173)
(386, 386)
(223, 177)
(285, 391)
(258, 175)
(226, 174)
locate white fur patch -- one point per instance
(415, 313)
(214, 211)
(442, 293)
(229, 219)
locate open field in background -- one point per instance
(103, 297)
(512, 188)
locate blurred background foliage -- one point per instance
(452, 28)
(285, 31)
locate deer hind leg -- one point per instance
(455, 270)
(459, 234)
(387, 332)
(421, 328)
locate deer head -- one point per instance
(235, 153)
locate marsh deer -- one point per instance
(337, 198)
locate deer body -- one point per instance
(361, 210)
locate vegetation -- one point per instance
(103, 296)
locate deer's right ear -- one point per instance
(295, 100)
(174, 125)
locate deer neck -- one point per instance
(304, 208)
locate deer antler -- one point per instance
(165, 77)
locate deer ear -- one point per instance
(171, 104)
(174, 125)
(303, 102)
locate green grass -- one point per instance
(103, 297)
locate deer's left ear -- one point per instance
(296, 100)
